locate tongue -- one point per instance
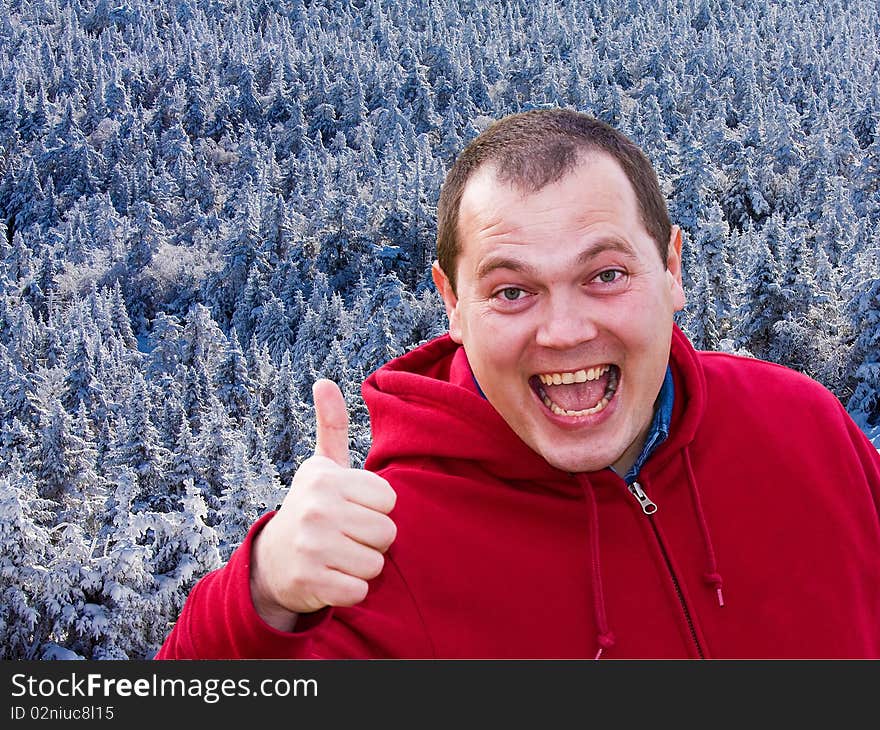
(577, 396)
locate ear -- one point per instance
(450, 300)
(673, 268)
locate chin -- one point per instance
(576, 463)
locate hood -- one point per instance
(690, 398)
(426, 404)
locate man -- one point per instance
(562, 475)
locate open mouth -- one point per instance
(577, 393)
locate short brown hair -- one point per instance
(536, 148)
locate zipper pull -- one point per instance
(648, 507)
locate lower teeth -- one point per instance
(600, 406)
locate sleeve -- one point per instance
(219, 621)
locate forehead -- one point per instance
(593, 197)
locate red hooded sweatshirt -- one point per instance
(765, 542)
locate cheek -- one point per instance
(507, 333)
(496, 341)
(648, 350)
(650, 315)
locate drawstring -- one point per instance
(712, 576)
(605, 638)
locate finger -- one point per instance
(341, 589)
(369, 527)
(331, 416)
(369, 490)
(356, 560)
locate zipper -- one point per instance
(649, 508)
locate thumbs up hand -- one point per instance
(329, 536)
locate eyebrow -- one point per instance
(490, 264)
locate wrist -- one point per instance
(267, 608)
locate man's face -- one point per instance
(564, 308)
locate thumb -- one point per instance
(332, 422)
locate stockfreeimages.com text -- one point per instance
(210, 690)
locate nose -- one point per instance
(566, 321)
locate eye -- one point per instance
(511, 293)
(609, 276)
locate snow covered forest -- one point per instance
(206, 204)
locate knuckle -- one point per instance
(306, 549)
(315, 472)
(298, 585)
(299, 593)
(336, 428)
(315, 508)
(312, 514)
(306, 470)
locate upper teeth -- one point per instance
(578, 376)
